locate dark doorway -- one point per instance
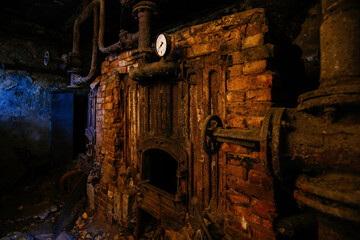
(68, 122)
(160, 169)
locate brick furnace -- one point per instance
(198, 138)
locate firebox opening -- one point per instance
(160, 169)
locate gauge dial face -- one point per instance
(162, 45)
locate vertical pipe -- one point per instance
(144, 29)
(77, 79)
(143, 11)
(334, 156)
(102, 24)
(340, 43)
(78, 22)
(125, 40)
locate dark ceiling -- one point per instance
(48, 13)
(59, 15)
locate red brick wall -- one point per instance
(227, 72)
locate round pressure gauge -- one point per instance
(163, 45)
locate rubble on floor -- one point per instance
(29, 212)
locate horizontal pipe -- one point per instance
(313, 142)
(251, 135)
(246, 138)
(213, 134)
(146, 72)
(243, 143)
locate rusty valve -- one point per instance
(213, 134)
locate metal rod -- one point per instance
(213, 134)
(252, 135)
(245, 138)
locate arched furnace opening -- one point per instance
(160, 169)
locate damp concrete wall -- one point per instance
(26, 86)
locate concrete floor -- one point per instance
(30, 209)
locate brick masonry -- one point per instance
(228, 72)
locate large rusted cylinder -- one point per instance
(321, 137)
(340, 43)
(328, 148)
(319, 143)
(340, 57)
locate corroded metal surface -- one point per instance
(337, 187)
(145, 73)
(340, 57)
(126, 40)
(334, 194)
(143, 11)
(212, 135)
(322, 137)
(210, 144)
(162, 113)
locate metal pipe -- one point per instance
(79, 21)
(144, 28)
(323, 142)
(237, 135)
(213, 134)
(340, 57)
(340, 41)
(125, 40)
(76, 78)
(146, 72)
(143, 12)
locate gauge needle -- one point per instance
(160, 46)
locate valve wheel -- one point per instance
(210, 145)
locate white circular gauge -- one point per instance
(163, 45)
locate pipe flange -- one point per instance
(265, 136)
(210, 144)
(143, 6)
(332, 193)
(276, 140)
(270, 139)
(330, 96)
